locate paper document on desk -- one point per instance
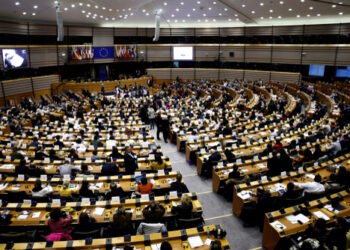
(321, 215)
(292, 219)
(302, 218)
(331, 209)
(36, 215)
(99, 211)
(155, 246)
(22, 217)
(310, 176)
(278, 225)
(3, 186)
(195, 241)
(7, 166)
(261, 165)
(244, 195)
(208, 242)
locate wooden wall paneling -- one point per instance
(288, 30)
(42, 30)
(160, 73)
(253, 75)
(285, 77)
(44, 82)
(237, 53)
(125, 32)
(13, 28)
(343, 56)
(324, 29)
(164, 32)
(210, 74)
(80, 31)
(318, 55)
(158, 53)
(238, 31)
(185, 73)
(259, 31)
(345, 29)
(16, 89)
(231, 74)
(62, 54)
(42, 56)
(207, 53)
(182, 32)
(286, 54)
(256, 53)
(207, 32)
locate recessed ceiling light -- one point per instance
(298, 16)
(318, 14)
(24, 13)
(172, 15)
(175, 21)
(73, 5)
(261, 4)
(206, 20)
(236, 15)
(90, 14)
(177, 9)
(83, 11)
(229, 19)
(106, 18)
(110, 10)
(147, 14)
(87, 16)
(193, 9)
(103, 8)
(214, 20)
(198, 2)
(279, 17)
(131, 14)
(333, 6)
(56, 2)
(290, 9)
(94, 17)
(225, 9)
(165, 3)
(209, 8)
(143, 10)
(183, 20)
(214, 2)
(66, 9)
(80, 4)
(340, 2)
(271, 11)
(253, 12)
(204, 14)
(168, 21)
(113, 18)
(101, 16)
(220, 14)
(35, 6)
(262, 18)
(311, 8)
(129, 9)
(270, 17)
(182, 3)
(17, 3)
(198, 20)
(341, 13)
(237, 19)
(281, 2)
(120, 16)
(302, 1)
(88, 5)
(33, 14)
(243, 5)
(96, 6)
(188, 15)
(308, 15)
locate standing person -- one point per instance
(151, 116)
(166, 128)
(159, 124)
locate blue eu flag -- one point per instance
(103, 52)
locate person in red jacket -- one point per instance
(60, 224)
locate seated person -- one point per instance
(116, 191)
(158, 164)
(230, 157)
(184, 209)
(66, 191)
(215, 245)
(84, 171)
(178, 185)
(86, 222)
(332, 184)
(166, 246)
(318, 153)
(235, 177)
(84, 190)
(343, 176)
(291, 192)
(144, 187)
(115, 154)
(154, 212)
(121, 224)
(60, 225)
(22, 168)
(313, 187)
(67, 168)
(39, 154)
(39, 191)
(334, 148)
(149, 228)
(109, 168)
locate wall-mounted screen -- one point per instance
(80, 53)
(316, 70)
(125, 52)
(14, 58)
(343, 72)
(182, 53)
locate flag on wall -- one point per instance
(103, 52)
(126, 52)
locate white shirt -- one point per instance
(43, 192)
(111, 143)
(335, 147)
(311, 187)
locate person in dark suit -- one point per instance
(109, 168)
(178, 185)
(116, 191)
(130, 161)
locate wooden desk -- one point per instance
(178, 240)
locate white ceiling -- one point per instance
(180, 13)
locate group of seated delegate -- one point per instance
(83, 153)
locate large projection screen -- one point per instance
(182, 53)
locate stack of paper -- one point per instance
(99, 211)
(195, 241)
(321, 215)
(244, 195)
